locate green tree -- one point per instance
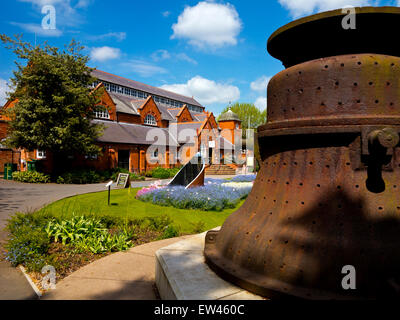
(55, 101)
(248, 113)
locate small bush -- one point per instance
(163, 173)
(30, 177)
(80, 177)
(135, 177)
(160, 173)
(156, 223)
(28, 245)
(88, 234)
(199, 227)
(170, 232)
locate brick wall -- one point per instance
(129, 118)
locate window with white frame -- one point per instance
(101, 112)
(150, 120)
(3, 144)
(91, 156)
(40, 154)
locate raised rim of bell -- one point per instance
(322, 35)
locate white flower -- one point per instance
(238, 185)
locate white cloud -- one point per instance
(185, 57)
(162, 54)
(119, 36)
(4, 88)
(44, 2)
(300, 8)
(260, 84)
(67, 11)
(38, 30)
(261, 103)
(206, 91)
(166, 14)
(208, 24)
(83, 3)
(105, 53)
(143, 68)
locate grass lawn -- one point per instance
(124, 204)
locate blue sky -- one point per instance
(212, 50)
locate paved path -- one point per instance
(19, 197)
(121, 276)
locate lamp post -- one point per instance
(108, 185)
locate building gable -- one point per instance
(184, 115)
(150, 108)
(107, 101)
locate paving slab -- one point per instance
(126, 275)
(182, 274)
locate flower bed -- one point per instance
(244, 178)
(215, 195)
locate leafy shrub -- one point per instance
(199, 227)
(158, 223)
(115, 172)
(74, 229)
(88, 234)
(105, 242)
(33, 236)
(160, 173)
(170, 232)
(135, 177)
(30, 177)
(163, 173)
(80, 177)
(28, 245)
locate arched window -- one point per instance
(150, 120)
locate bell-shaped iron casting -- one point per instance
(328, 192)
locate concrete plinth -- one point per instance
(182, 274)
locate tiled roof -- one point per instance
(229, 116)
(125, 104)
(116, 132)
(165, 113)
(199, 116)
(129, 105)
(174, 112)
(177, 128)
(196, 116)
(105, 76)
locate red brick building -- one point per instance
(145, 127)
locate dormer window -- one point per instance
(150, 120)
(101, 112)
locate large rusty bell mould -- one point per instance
(328, 191)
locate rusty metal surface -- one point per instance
(322, 35)
(328, 192)
(199, 180)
